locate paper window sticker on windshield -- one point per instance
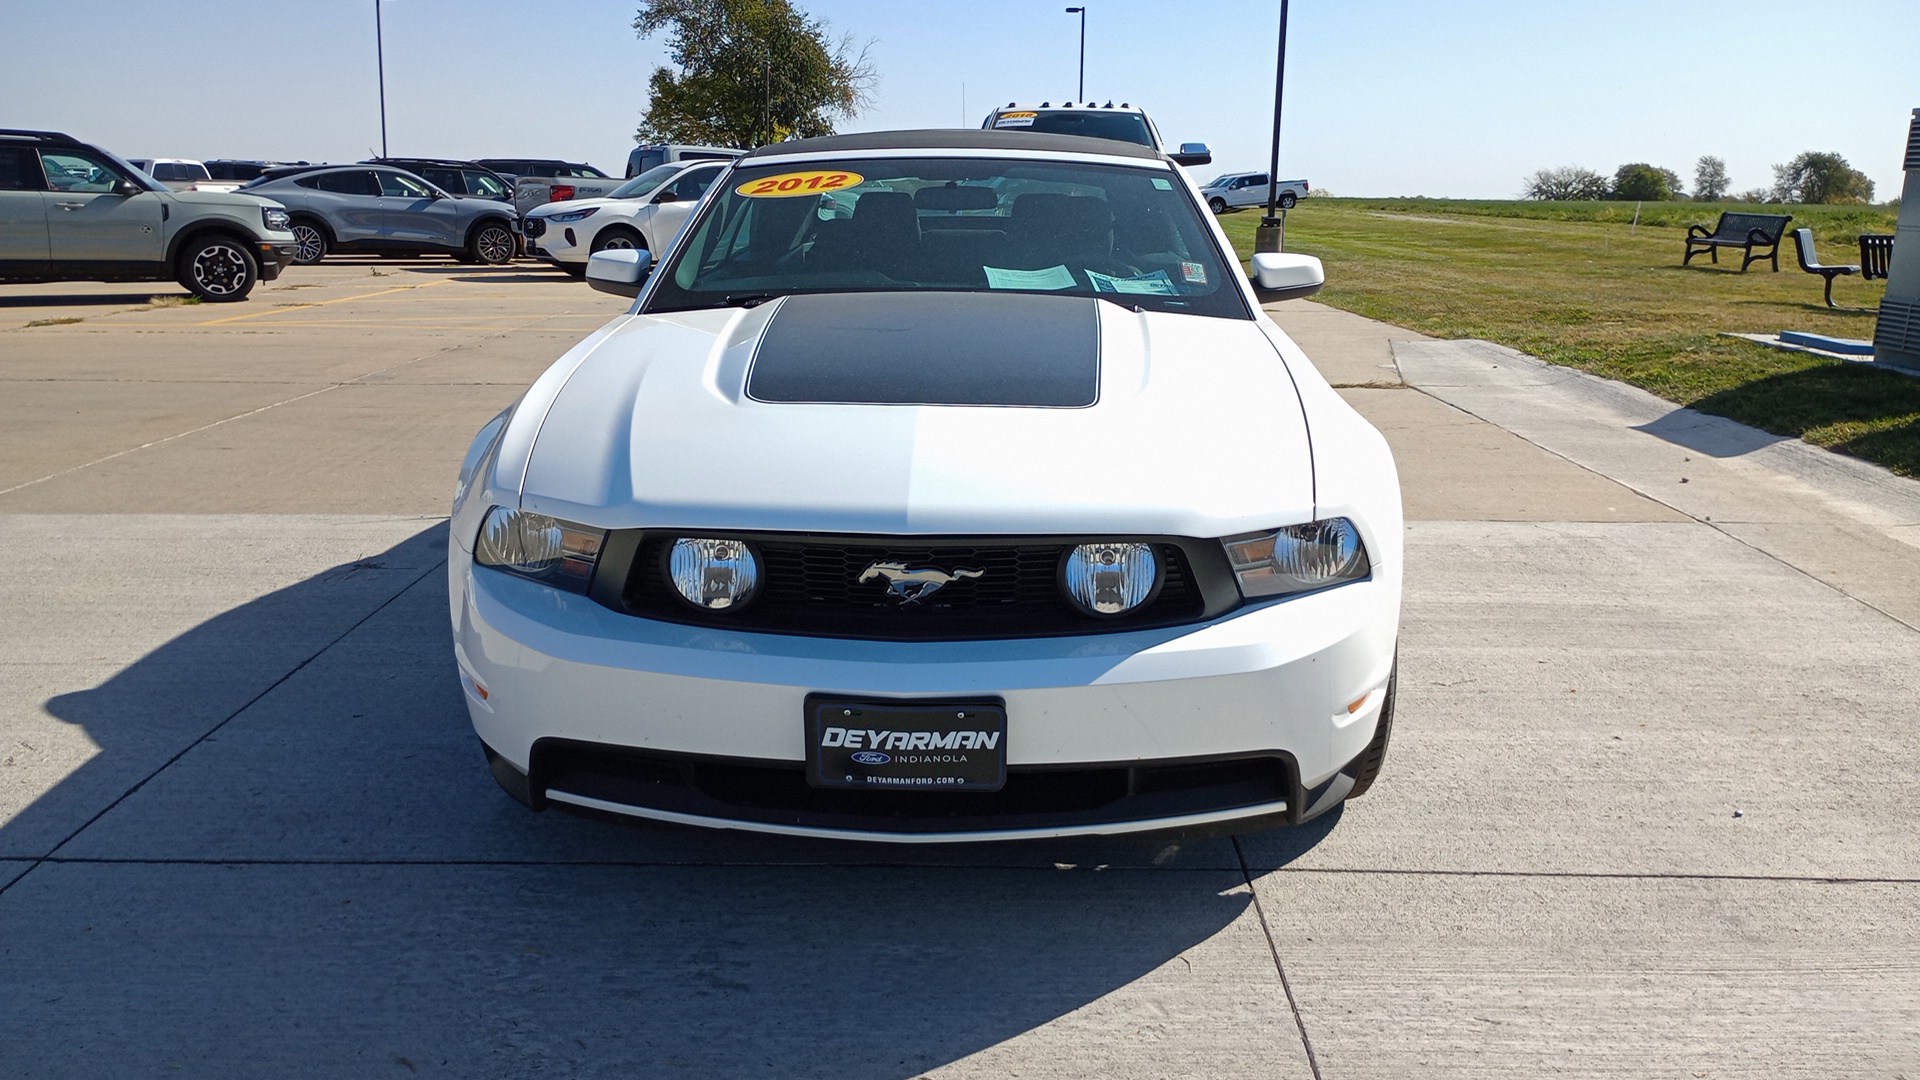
(1014, 120)
(1050, 279)
(1194, 272)
(1163, 184)
(1156, 283)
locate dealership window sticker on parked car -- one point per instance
(809, 182)
(1013, 119)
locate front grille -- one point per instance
(534, 227)
(812, 586)
(1035, 796)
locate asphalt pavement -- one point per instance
(1648, 811)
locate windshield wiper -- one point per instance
(746, 300)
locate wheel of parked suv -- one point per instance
(218, 269)
(1287, 199)
(1367, 767)
(618, 238)
(309, 242)
(491, 243)
(1217, 204)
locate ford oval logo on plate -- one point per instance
(871, 757)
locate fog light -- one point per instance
(713, 574)
(1111, 579)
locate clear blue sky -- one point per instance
(1384, 97)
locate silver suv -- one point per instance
(381, 210)
(73, 212)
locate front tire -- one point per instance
(309, 242)
(219, 269)
(1367, 766)
(617, 238)
(491, 243)
(1217, 204)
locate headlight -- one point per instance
(575, 215)
(275, 219)
(713, 574)
(1111, 579)
(558, 553)
(1298, 558)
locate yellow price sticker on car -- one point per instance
(811, 182)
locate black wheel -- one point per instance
(1367, 766)
(1217, 204)
(1287, 199)
(309, 242)
(617, 238)
(491, 243)
(219, 269)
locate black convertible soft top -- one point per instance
(953, 139)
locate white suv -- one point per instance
(642, 214)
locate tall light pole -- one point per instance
(380, 55)
(1081, 12)
(1272, 234)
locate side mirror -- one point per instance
(667, 195)
(1279, 275)
(127, 188)
(620, 271)
(1193, 153)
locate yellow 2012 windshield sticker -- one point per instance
(810, 182)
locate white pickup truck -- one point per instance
(539, 181)
(1235, 191)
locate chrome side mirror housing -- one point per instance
(621, 271)
(1280, 275)
(1193, 153)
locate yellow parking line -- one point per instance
(319, 303)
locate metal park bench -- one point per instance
(1747, 231)
(1876, 251)
(1810, 262)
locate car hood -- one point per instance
(567, 206)
(221, 198)
(787, 416)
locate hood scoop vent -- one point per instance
(930, 348)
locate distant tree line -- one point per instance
(1809, 178)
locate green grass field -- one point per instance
(1579, 284)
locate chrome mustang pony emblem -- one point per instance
(912, 584)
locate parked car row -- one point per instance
(379, 209)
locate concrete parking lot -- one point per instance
(1649, 809)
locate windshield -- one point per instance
(645, 182)
(1123, 126)
(1127, 234)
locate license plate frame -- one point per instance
(973, 731)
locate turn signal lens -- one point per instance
(1111, 579)
(713, 574)
(557, 553)
(1298, 558)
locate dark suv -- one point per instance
(466, 179)
(73, 212)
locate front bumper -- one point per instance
(1244, 717)
(273, 256)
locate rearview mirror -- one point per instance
(1193, 153)
(1279, 275)
(620, 271)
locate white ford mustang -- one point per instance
(941, 485)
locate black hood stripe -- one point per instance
(930, 348)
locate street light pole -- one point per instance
(380, 55)
(1272, 233)
(1082, 12)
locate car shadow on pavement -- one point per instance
(288, 857)
(90, 299)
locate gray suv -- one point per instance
(73, 212)
(376, 209)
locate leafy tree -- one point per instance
(1710, 181)
(749, 72)
(1820, 178)
(1640, 182)
(1564, 183)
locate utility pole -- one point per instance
(1082, 12)
(1272, 233)
(380, 55)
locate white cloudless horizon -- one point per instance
(1383, 97)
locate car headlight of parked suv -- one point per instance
(275, 219)
(575, 215)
